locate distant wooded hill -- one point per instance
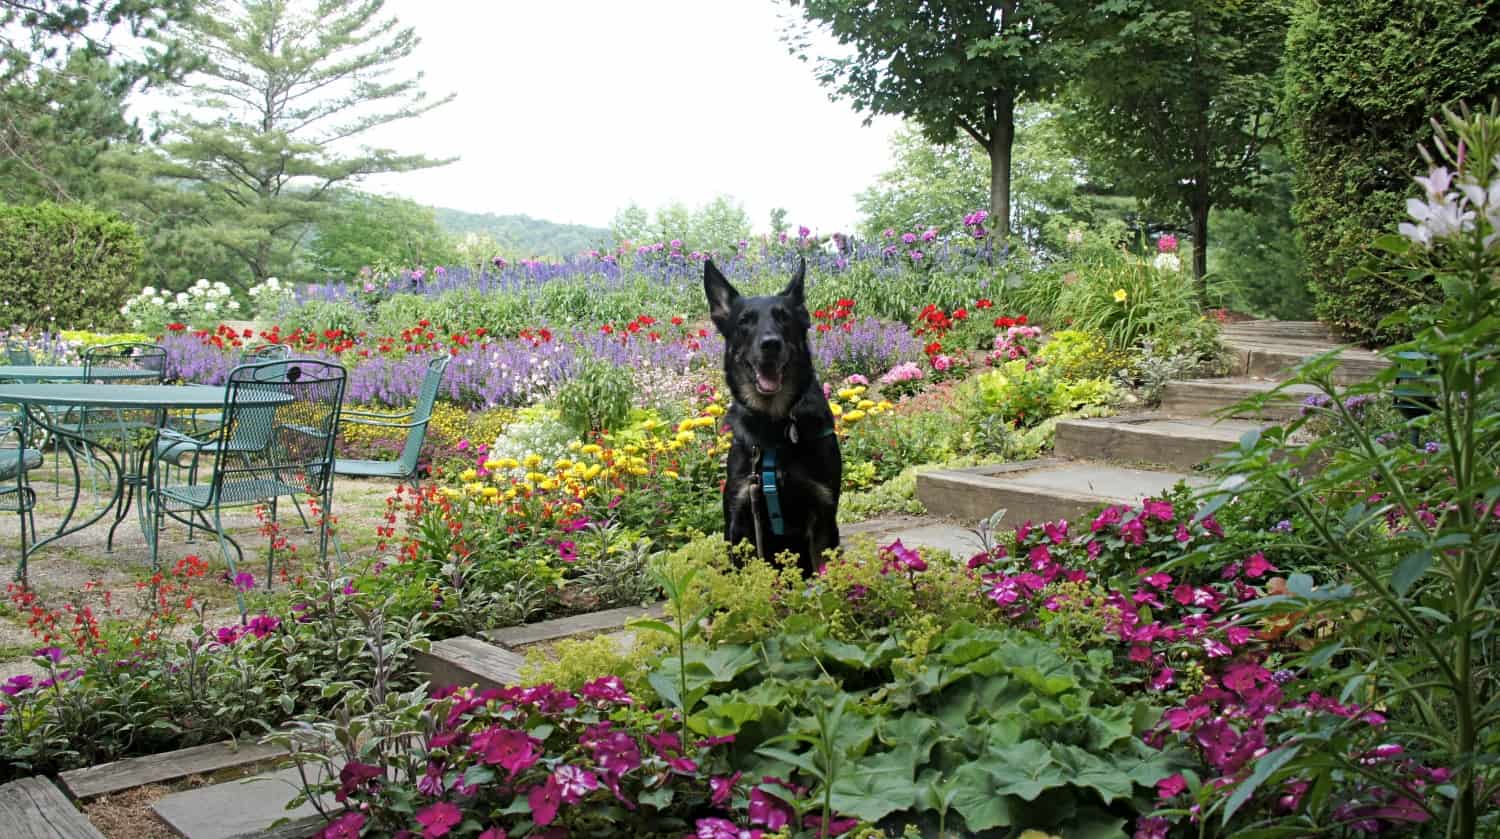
(522, 235)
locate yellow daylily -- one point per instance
(1120, 295)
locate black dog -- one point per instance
(785, 470)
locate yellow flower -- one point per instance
(490, 492)
(671, 474)
(533, 461)
(563, 465)
(591, 449)
(859, 390)
(836, 408)
(451, 492)
(854, 416)
(510, 493)
(549, 485)
(467, 475)
(885, 405)
(650, 424)
(714, 410)
(511, 463)
(866, 404)
(684, 437)
(492, 465)
(592, 472)
(574, 446)
(1120, 295)
(847, 393)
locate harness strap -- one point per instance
(772, 492)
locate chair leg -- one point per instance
(239, 596)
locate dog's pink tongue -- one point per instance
(768, 382)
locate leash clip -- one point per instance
(771, 490)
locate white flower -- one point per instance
(272, 282)
(234, 305)
(148, 291)
(202, 283)
(1167, 262)
(159, 301)
(210, 306)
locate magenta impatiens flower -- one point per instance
(514, 750)
(723, 789)
(607, 689)
(545, 801)
(439, 819)
(1170, 787)
(769, 810)
(1256, 565)
(574, 782)
(346, 826)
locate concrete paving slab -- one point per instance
(243, 809)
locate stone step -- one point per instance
(515, 637)
(1039, 490)
(33, 808)
(1177, 443)
(1296, 330)
(247, 808)
(1273, 349)
(1210, 397)
(94, 781)
(467, 660)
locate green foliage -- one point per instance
(597, 399)
(889, 443)
(91, 254)
(954, 68)
(255, 171)
(1362, 81)
(1123, 298)
(1255, 258)
(571, 663)
(1410, 515)
(314, 316)
(718, 225)
(372, 231)
(1175, 99)
(1076, 354)
(1022, 396)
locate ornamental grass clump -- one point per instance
(1410, 518)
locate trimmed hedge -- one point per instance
(1363, 78)
(65, 266)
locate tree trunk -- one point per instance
(1002, 137)
(1200, 210)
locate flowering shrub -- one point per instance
(1023, 395)
(202, 306)
(271, 299)
(1075, 354)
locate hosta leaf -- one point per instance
(1083, 769)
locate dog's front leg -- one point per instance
(739, 515)
(822, 535)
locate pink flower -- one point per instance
(607, 689)
(1257, 565)
(545, 800)
(1182, 534)
(1134, 531)
(575, 782)
(941, 363)
(438, 819)
(1163, 679)
(1057, 532)
(346, 826)
(1166, 244)
(768, 810)
(716, 828)
(516, 751)
(494, 833)
(722, 789)
(1159, 510)
(1171, 787)
(1154, 827)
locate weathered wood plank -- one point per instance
(33, 808)
(94, 781)
(467, 660)
(542, 631)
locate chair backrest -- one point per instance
(19, 353)
(266, 352)
(422, 412)
(280, 422)
(150, 359)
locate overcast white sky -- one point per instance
(567, 110)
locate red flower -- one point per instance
(846, 303)
(1021, 321)
(424, 323)
(933, 348)
(983, 303)
(960, 314)
(177, 327)
(676, 321)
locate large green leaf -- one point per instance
(876, 786)
(1025, 770)
(1090, 771)
(973, 796)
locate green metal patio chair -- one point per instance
(18, 353)
(276, 441)
(414, 421)
(16, 458)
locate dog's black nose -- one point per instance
(770, 344)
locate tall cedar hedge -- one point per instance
(1363, 79)
(64, 266)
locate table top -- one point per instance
(44, 373)
(130, 396)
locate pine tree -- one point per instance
(283, 88)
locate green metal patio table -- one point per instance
(132, 470)
(61, 373)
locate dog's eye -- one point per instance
(747, 318)
(779, 315)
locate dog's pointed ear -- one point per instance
(795, 289)
(721, 296)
